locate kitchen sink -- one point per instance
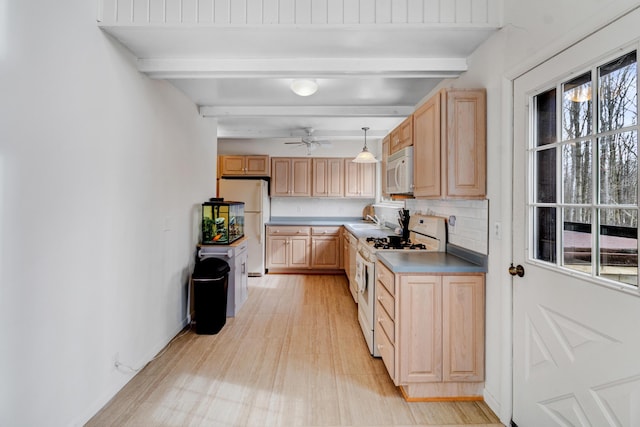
(364, 226)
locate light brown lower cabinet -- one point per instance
(303, 248)
(288, 247)
(430, 333)
(325, 248)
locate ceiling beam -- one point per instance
(289, 135)
(308, 111)
(173, 68)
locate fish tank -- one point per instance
(222, 222)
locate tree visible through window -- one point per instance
(585, 164)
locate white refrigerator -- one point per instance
(257, 211)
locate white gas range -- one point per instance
(426, 233)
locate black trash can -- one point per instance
(210, 282)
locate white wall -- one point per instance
(534, 31)
(101, 175)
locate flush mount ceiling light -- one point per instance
(304, 87)
(365, 155)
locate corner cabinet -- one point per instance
(449, 136)
(360, 179)
(290, 177)
(303, 249)
(257, 165)
(430, 333)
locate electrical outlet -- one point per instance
(497, 230)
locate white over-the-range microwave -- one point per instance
(400, 172)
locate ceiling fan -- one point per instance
(310, 142)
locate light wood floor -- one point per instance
(293, 356)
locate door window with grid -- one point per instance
(583, 203)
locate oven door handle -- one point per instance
(361, 273)
(366, 273)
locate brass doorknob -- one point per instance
(517, 270)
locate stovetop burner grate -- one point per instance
(386, 243)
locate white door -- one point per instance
(576, 355)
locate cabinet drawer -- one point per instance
(386, 300)
(288, 231)
(325, 231)
(385, 276)
(387, 352)
(385, 322)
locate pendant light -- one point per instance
(365, 155)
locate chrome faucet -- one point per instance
(375, 220)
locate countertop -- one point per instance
(233, 244)
(356, 225)
(454, 260)
(428, 262)
(312, 220)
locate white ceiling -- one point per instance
(371, 75)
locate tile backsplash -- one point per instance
(471, 229)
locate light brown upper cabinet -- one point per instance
(402, 136)
(328, 177)
(290, 177)
(449, 138)
(360, 179)
(257, 165)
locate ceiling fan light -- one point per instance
(365, 155)
(304, 87)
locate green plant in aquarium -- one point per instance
(207, 229)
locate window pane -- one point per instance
(619, 245)
(619, 168)
(618, 93)
(577, 159)
(545, 234)
(576, 244)
(545, 111)
(576, 107)
(546, 176)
